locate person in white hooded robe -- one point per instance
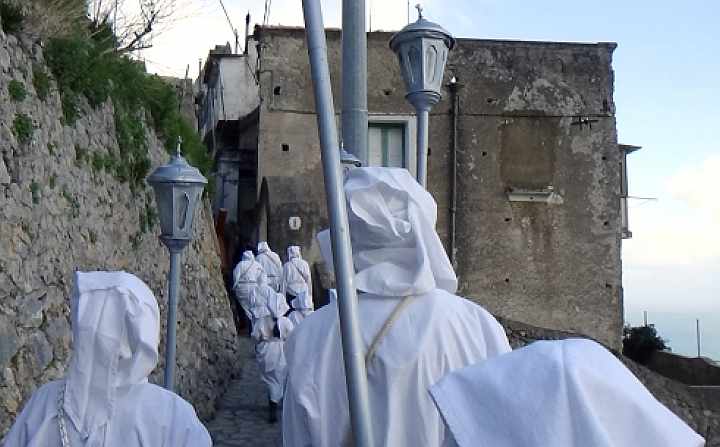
(105, 399)
(245, 278)
(407, 287)
(271, 264)
(270, 330)
(570, 393)
(260, 296)
(296, 275)
(302, 307)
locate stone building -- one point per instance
(524, 164)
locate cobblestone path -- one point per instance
(241, 419)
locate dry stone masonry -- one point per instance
(59, 212)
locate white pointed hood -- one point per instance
(116, 332)
(263, 249)
(293, 252)
(277, 305)
(396, 250)
(302, 301)
(570, 393)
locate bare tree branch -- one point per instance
(133, 23)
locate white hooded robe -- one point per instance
(570, 393)
(302, 308)
(246, 276)
(107, 400)
(396, 253)
(271, 264)
(269, 350)
(296, 274)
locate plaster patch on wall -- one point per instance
(543, 95)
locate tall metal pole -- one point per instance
(170, 339)
(353, 355)
(354, 79)
(422, 144)
(697, 334)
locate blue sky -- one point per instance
(667, 94)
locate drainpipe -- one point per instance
(353, 350)
(455, 112)
(354, 79)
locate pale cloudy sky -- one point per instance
(667, 67)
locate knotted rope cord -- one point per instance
(385, 328)
(64, 439)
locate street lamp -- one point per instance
(178, 188)
(422, 48)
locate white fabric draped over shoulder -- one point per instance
(108, 401)
(571, 393)
(296, 274)
(271, 264)
(396, 252)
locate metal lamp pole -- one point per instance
(178, 188)
(353, 355)
(173, 286)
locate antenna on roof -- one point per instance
(247, 30)
(370, 14)
(234, 30)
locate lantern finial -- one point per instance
(420, 10)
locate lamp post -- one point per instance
(178, 188)
(422, 48)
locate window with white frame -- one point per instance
(391, 141)
(386, 144)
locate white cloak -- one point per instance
(269, 350)
(246, 277)
(571, 393)
(438, 332)
(106, 400)
(271, 264)
(296, 274)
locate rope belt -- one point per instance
(386, 328)
(370, 354)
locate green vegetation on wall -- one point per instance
(89, 66)
(41, 82)
(17, 91)
(11, 16)
(22, 128)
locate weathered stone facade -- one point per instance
(59, 214)
(535, 116)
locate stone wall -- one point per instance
(699, 371)
(531, 115)
(697, 407)
(59, 214)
